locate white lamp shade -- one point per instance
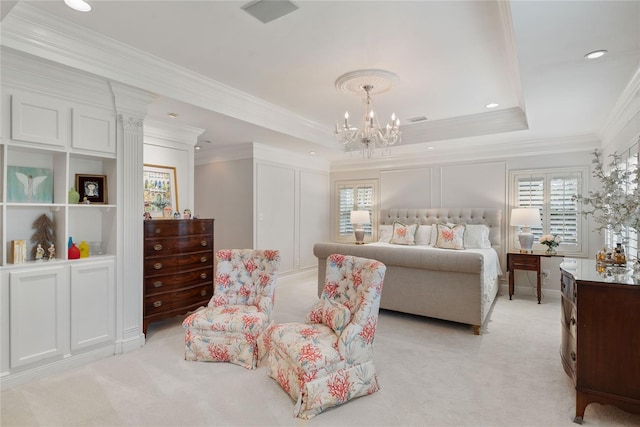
(529, 217)
(360, 217)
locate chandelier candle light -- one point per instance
(370, 135)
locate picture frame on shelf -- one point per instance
(29, 184)
(160, 191)
(92, 188)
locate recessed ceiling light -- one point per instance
(492, 105)
(173, 115)
(430, 148)
(79, 5)
(596, 54)
(197, 148)
(313, 153)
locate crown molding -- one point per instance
(492, 122)
(622, 126)
(30, 30)
(467, 150)
(174, 132)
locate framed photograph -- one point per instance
(93, 187)
(160, 191)
(29, 185)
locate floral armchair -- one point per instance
(329, 359)
(239, 310)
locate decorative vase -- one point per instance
(84, 249)
(74, 196)
(74, 252)
(551, 250)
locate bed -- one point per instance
(449, 284)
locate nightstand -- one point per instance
(529, 262)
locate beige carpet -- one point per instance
(432, 373)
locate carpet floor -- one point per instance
(431, 372)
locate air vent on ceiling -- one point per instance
(268, 10)
(417, 119)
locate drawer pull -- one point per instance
(203, 259)
(157, 247)
(203, 276)
(158, 231)
(157, 304)
(203, 243)
(157, 284)
(203, 292)
(157, 265)
(573, 356)
(572, 320)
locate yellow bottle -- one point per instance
(84, 249)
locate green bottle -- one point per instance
(74, 196)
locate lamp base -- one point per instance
(526, 242)
(359, 236)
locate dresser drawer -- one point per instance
(154, 267)
(568, 353)
(180, 300)
(569, 316)
(568, 287)
(177, 227)
(172, 282)
(177, 245)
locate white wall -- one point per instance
(169, 144)
(260, 197)
(224, 191)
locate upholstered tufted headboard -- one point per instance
(491, 217)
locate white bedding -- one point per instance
(491, 266)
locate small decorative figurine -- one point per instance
(39, 252)
(86, 201)
(147, 216)
(52, 252)
(186, 214)
(176, 215)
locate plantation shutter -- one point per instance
(530, 194)
(354, 197)
(563, 211)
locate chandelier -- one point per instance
(370, 135)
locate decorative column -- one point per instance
(131, 106)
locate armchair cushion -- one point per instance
(228, 318)
(331, 313)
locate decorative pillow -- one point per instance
(434, 232)
(384, 233)
(423, 235)
(450, 237)
(403, 234)
(331, 313)
(476, 236)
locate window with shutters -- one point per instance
(355, 196)
(551, 191)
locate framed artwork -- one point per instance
(160, 191)
(92, 187)
(29, 185)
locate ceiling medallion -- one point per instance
(370, 135)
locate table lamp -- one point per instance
(358, 219)
(525, 218)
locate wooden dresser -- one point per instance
(178, 267)
(600, 335)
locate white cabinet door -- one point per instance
(94, 131)
(39, 326)
(92, 304)
(39, 119)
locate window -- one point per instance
(551, 191)
(355, 195)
